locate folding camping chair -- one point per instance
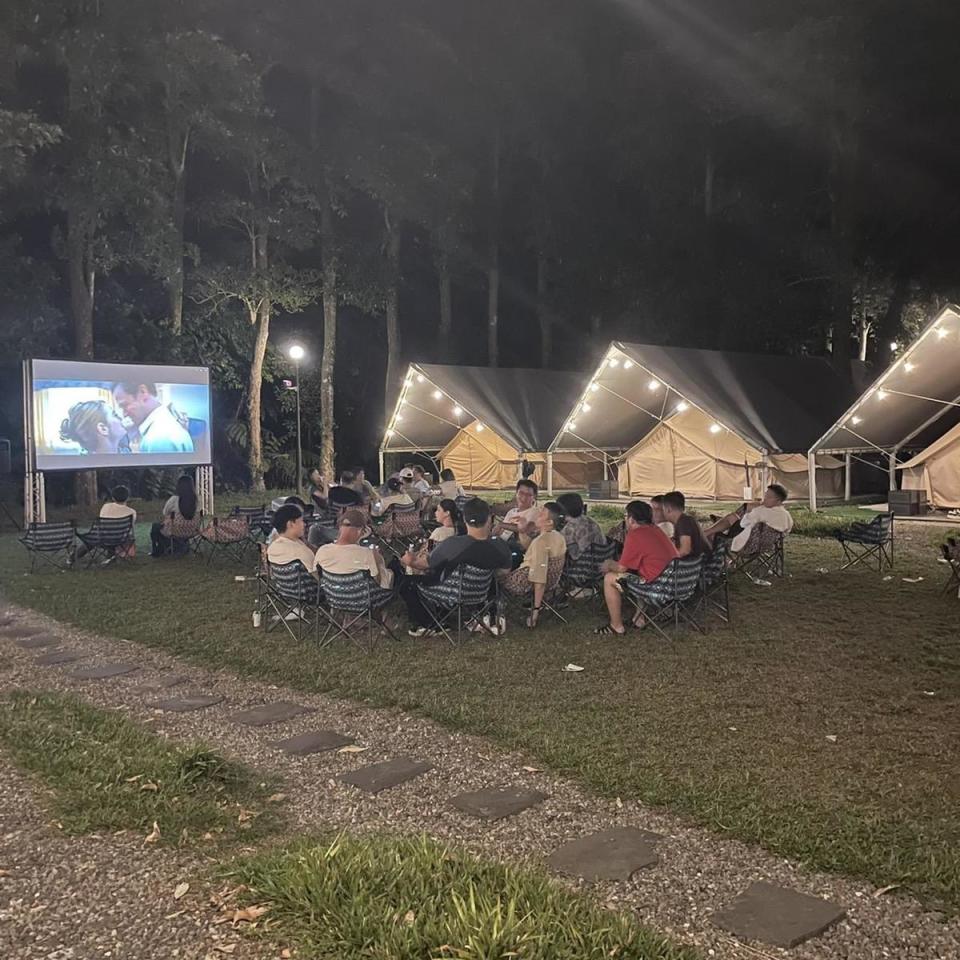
(467, 594)
(294, 596)
(762, 554)
(585, 572)
(254, 517)
(714, 584)
(180, 530)
(671, 598)
(53, 543)
(865, 542)
(351, 600)
(398, 530)
(516, 591)
(108, 539)
(951, 557)
(229, 536)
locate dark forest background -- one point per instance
(511, 182)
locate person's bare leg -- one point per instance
(723, 524)
(614, 601)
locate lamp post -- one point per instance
(296, 354)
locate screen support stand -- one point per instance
(205, 489)
(34, 500)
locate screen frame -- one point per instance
(108, 461)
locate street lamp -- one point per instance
(296, 354)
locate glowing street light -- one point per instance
(296, 353)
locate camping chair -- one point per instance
(290, 588)
(108, 539)
(762, 554)
(254, 517)
(516, 590)
(863, 542)
(229, 536)
(53, 543)
(951, 557)
(351, 601)
(714, 585)
(399, 529)
(179, 530)
(671, 598)
(464, 594)
(584, 573)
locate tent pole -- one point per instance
(383, 478)
(606, 468)
(550, 472)
(847, 479)
(812, 472)
(893, 470)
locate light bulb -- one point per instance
(942, 332)
(653, 385)
(457, 411)
(908, 366)
(715, 428)
(682, 405)
(881, 394)
(437, 395)
(572, 425)
(594, 387)
(614, 362)
(398, 418)
(390, 432)
(479, 428)
(627, 364)
(585, 407)
(408, 382)
(419, 378)
(296, 352)
(855, 420)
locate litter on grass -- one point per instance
(913, 579)
(573, 668)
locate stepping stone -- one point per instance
(270, 713)
(57, 657)
(104, 671)
(497, 804)
(315, 742)
(35, 643)
(164, 682)
(609, 855)
(389, 773)
(778, 916)
(22, 631)
(185, 704)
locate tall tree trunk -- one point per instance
(329, 356)
(260, 317)
(890, 325)
(178, 206)
(493, 257)
(864, 338)
(445, 285)
(543, 311)
(392, 239)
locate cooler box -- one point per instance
(907, 503)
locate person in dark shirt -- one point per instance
(343, 495)
(687, 535)
(475, 547)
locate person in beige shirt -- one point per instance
(116, 508)
(288, 545)
(346, 555)
(546, 546)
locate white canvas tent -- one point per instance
(913, 404)
(482, 422)
(936, 471)
(706, 422)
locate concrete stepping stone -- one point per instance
(608, 855)
(316, 741)
(389, 773)
(778, 916)
(497, 804)
(268, 713)
(37, 642)
(163, 683)
(58, 658)
(104, 671)
(186, 704)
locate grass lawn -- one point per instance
(355, 898)
(822, 723)
(104, 772)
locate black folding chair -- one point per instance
(291, 597)
(353, 601)
(53, 543)
(228, 536)
(714, 584)
(868, 542)
(108, 539)
(465, 597)
(951, 557)
(671, 599)
(761, 555)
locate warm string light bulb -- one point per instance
(682, 406)
(437, 395)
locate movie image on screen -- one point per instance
(88, 415)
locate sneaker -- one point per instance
(497, 628)
(294, 614)
(418, 632)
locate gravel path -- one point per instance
(698, 872)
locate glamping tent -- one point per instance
(913, 406)
(482, 422)
(707, 422)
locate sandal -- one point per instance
(608, 631)
(534, 617)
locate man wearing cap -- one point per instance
(346, 555)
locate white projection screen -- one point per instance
(89, 415)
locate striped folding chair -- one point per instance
(228, 536)
(868, 542)
(52, 543)
(466, 594)
(671, 598)
(584, 573)
(714, 584)
(108, 539)
(517, 591)
(762, 554)
(294, 596)
(354, 602)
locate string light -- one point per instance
(683, 406)
(908, 366)
(457, 411)
(715, 428)
(408, 382)
(594, 387)
(856, 420)
(437, 395)
(585, 407)
(614, 362)
(398, 418)
(627, 364)
(881, 394)
(942, 332)
(479, 428)
(572, 425)
(419, 378)
(390, 432)
(653, 385)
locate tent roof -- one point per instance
(938, 446)
(913, 402)
(526, 408)
(775, 403)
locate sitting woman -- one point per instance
(449, 488)
(396, 497)
(531, 576)
(178, 515)
(448, 516)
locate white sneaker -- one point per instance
(294, 614)
(497, 629)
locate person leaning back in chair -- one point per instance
(737, 525)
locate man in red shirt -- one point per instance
(646, 552)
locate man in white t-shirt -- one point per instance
(521, 518)
(420, 482)
(116, 507)
(288, 545)
(346, 555)
(770, 511)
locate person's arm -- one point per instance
(684, 545)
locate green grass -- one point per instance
(104, 772)
(842, 655)
(354, 898)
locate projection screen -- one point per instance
(89, 415)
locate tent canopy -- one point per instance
(912, 403)
(774, 404)
(936, 471)
(525, 408)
